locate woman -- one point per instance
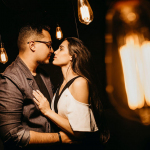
(76, 100)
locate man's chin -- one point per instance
(44, 62)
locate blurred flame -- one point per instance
(135, 62)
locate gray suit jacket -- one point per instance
(18, 112)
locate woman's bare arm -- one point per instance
(79, 90)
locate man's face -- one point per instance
(44, 48)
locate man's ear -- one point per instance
(32, 46)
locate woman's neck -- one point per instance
(68, 73)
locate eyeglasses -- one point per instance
(48, 44)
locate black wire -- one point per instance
(75, 20)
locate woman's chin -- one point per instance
(54, 63)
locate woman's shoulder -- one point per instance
(80, 82)
(80, 90)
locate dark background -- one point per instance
(124, 134)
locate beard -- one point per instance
(43, 62)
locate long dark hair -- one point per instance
(82, 64)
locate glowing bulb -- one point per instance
(131, 58)
(3, 56)
(59, 34)
(145, 57)
(135, 62)
(85, 13)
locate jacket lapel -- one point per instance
(27, 73)
(31, 80)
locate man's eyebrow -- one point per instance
(61, 46)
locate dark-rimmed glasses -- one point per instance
(48, 44)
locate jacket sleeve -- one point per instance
(11, 106)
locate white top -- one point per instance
(79, 114)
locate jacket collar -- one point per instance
(30, 77)
(24, 68)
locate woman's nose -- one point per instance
(55, 51)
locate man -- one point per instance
(21, 122)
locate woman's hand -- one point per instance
(61, 122)
(42, 102)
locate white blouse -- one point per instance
(79, 114)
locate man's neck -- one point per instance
(30, 63)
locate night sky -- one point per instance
(124, 134)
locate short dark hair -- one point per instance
(27, 31)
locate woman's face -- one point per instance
(62, 56)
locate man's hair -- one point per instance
(28, 32)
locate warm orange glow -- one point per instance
(128, 14)
(131, 16)
(3, 56)
(85, 13)
(59, 34)
(132, 63)
(146, 66)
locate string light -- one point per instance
(59, 34)
(3, 54)
(85, 13)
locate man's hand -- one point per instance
(66, 138)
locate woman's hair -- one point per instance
(82, 65)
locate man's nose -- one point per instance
(51, 50)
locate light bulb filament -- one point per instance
(58, 34)
(3, 57)
(85, 14)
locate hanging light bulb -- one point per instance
(85, 13)
(3, 54)
(128, 59)
(59, 34)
